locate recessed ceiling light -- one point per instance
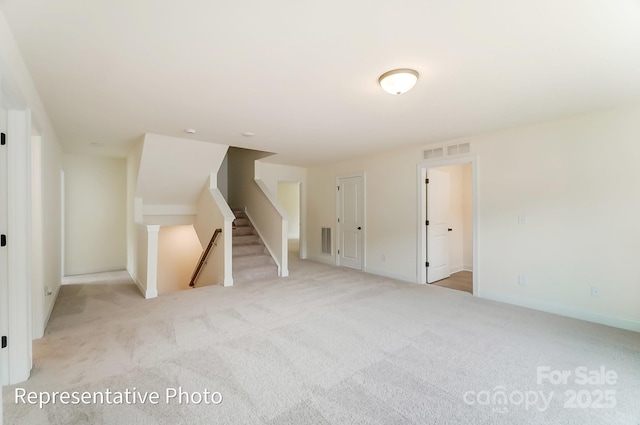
(190, 131)
(248, 134)
(398, 81)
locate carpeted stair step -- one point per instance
(241, 222)
(249, 249)
(243, 231)
(251, 261)
(246, 240)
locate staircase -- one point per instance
(251, 260)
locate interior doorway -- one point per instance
(4, 259)
(448, 224)
(350, 221)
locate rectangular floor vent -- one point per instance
(326, 240)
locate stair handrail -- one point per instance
(203, 257)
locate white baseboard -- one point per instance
(456, 269)
(616, 322)
(467, 267)
(141, 288)
(324, 259)
(390, 275)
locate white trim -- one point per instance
(19, 246)
(390, 275)
(467, 267)
(421, 171)
(153, 231)
(336, 246)
(456, 269)
(53, 304)
(575, 313)
(140, 287)
(323, 259)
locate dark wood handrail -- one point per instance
(203, 257)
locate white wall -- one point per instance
(575, 180)
(214, 213)
(289, 198)
(467, 218)
(260, 203)
(271, 174)
(18, 92)
(95, 209)
(461, 219)
(178, 252)
(134, 206)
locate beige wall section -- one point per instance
(461, 218)
(248, 192)
(271, 175)
(467, 208)
(50, 205)
(142, 247)
(575, 181)
(289, 198)
(95, 214)
(390, 198)
(178, 253)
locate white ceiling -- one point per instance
(302, 75)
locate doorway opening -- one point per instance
(448, 223)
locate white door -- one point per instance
(4, 288)
(438, 204)
(350, 222)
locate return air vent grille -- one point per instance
(434, 153)
(450, 150)
(326, 240)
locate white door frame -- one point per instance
(303, 214)
(363, 176)
(422, 212)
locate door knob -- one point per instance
(449, 230)
(359, 228)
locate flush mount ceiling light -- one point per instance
(190, 131)
(398, 81)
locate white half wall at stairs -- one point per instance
(248, 193)
(214, 213)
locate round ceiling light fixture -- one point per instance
(398, 81)
(190, 131)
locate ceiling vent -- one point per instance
(450, 150)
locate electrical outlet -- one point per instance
(522, 279)
(522, 219)
(596, 291)
(383, 258)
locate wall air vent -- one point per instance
(458, 149)
(326, 240)
(450, 150)
(433, 153)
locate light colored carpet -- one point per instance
(324, 346)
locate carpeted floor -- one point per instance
(326, 346)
